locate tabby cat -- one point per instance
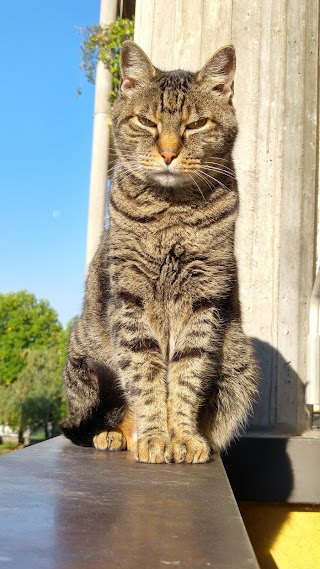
(158, 362)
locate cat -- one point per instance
(158, 362)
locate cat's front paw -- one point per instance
(187, 448)
(110, 440)
(154, 449)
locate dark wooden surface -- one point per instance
(66, 507)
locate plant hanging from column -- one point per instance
(103, 44)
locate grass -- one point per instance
(36, 437)
(5, 448)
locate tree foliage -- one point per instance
(25, 324)
(33, 348)
(103, 43)
(37, 396)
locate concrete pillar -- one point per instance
(100, 143)
(276, 97)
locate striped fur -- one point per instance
(158, 362)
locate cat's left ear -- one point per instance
(220, 71)
(136, 67)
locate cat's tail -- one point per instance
(235, 389)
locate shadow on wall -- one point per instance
(258, 467)
(278, 381)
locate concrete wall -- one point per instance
(276, 97)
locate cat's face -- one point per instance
(175, 128)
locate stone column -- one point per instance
(100, 143)
(276, 156)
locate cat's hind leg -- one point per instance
(96, 403)
(110, 440)
(121, 437)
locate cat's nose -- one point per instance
(169, 155)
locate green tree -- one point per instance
(44, 399)
(37, 396)
(25, 324)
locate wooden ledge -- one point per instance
(66, 507)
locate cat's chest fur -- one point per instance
(171, 262)
(165, 264)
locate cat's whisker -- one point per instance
(219, 158)
(224, 174)
(197, 186)
(219, 167)
(218, 161)
(114, 167)
(219, 183)
(203, 179)
(222, 171)
(134, 168)
(236, 164)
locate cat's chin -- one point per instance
(170, 180)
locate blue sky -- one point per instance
(45, 150)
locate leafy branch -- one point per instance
(103, 44)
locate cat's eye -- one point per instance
(196, 124)
(146, 122)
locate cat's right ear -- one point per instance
(136, 67)
(219, 71)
